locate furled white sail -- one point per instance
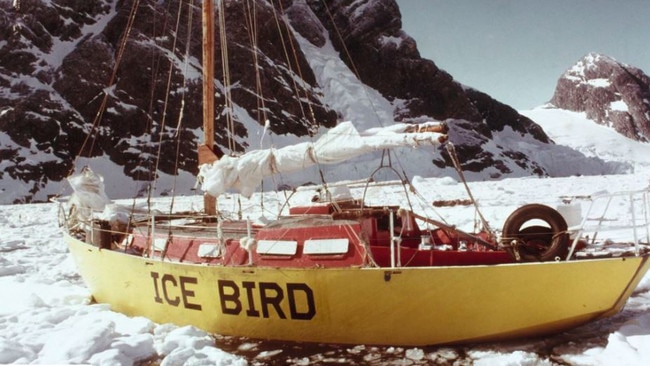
(339, 144)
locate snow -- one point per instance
(342, 90)
(386, 40)
(575, 130)
(62, 48)
(578, 71)
(599, 83)
(619, 105)
(46, 316)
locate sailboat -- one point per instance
(340, 270)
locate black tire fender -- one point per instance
(535, 242)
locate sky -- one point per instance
(515, 50)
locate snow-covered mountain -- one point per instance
(59, 84)
(609, 92)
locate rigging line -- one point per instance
(155, 67)
(188, 39)
(167, 93)
(228, 105)
(353, 66)
(185, 60)
(183, 94)
(362, 250)
(250, 16)
(251, 19)
(424, 208)
(314, 123)
(454, 158)
(296, 61)
(424, 205)
(102, 108)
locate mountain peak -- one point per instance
(591, 66)
(609, 92)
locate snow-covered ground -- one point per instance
(46, 317)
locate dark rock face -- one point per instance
(373, 44)
(56, 73)
(609, 92)
(64, 77)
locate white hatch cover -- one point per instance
(326, 246)
(277, 247)
(209, 250)
(159, 244)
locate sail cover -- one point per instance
(339, 144)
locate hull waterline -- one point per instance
(382, 306)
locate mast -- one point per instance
(206, 151)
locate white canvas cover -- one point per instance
(88, 190)
(339, 144)
(89, 196)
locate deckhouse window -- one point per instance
(326, 246)
(277, 247)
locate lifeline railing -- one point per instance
(637, 221)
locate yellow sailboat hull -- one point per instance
(381, 306)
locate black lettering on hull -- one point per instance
(269, 297)
(175, 292)
(268, 300)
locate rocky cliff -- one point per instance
(68, 88)
(609, 92)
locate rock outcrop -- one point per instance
(609, 92)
